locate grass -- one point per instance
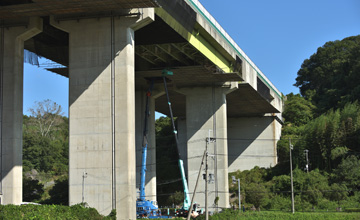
(49, 212)
(278, 215)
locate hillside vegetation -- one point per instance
(45, 154)
(324, 120)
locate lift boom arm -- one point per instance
(145, 145)
(187, 203)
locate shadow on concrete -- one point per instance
(243, 132)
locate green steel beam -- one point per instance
(198, 41)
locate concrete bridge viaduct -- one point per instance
(108, 49)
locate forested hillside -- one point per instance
(323, 120)
(45, 154)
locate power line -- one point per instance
(170, 161)
(168, 182)
(261, 192)
(295, 191)
(199, 156)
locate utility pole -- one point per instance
(238, 181)
(307, 160)
(206, 176)
(206, 181)
(239, 195)
(83, 186)
(291, 177)
(197, 180)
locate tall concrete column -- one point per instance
(140, 108)
(11, 101)
(102, 158)
(206, 110)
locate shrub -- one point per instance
(278, 202)
(352, 210)
(325, 204)
(75, 212)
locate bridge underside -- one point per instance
(158, 47)
(208, 87)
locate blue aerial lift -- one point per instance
(146, 208)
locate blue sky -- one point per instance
(277, 35)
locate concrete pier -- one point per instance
(102, 114)
(11, 107)
(206, 111)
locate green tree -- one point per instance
(59, 194)
(167, 169)
(44, 153)
(32, 189)
(177, 198)
(297, 113)
(330, 78)
(255, 175)
(256, 194)
(332, 136)
(297, 110)
(45, 139)
(348, 173)
(281, 183)
(309, 186)
(337, 192)
(31, 152)
(45, 149)
(254, 188)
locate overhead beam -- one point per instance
(182, 49)
(173, 53)
(141, 52)
(155, 52)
